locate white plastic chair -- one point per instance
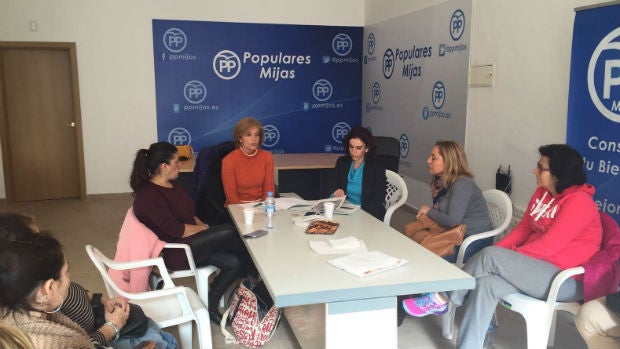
(170, 306)
(539, 314)
(500, 211)
(396, 194)
(201, 274)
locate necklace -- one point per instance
(246, 153)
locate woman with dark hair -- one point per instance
(561, 229)
(247, 172)
(34, 282)
(78, 304)
(169, 212)
(456, 197)
(358, 175)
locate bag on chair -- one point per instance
(253, 320)
(434, 237)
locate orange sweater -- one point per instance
(247, 178)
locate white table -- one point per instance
(360, 312)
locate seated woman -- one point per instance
(247, 172)
(359, 176)
(34, 282)
(169, 212)
(561, 229)
(598, 322)
(456, 197)
(78, 305)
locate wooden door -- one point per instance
(41, 134)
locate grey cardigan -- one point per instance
(463, 203)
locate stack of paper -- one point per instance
(367, 263)
(349, 244)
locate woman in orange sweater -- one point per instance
(247, 172)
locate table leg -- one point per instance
(369, 323)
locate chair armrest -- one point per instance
(152, 262)
(470, 240)
(559, 280)
(188, 254)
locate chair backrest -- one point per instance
(208, 191)
(396, 194)
(388, 152)
(500, 209)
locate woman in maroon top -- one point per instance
(168, 211)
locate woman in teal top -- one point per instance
(359, 176)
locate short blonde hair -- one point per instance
(14, 338)
(243, 126)
(455, 162)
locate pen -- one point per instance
(260, 203)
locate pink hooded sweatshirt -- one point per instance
(563, 229)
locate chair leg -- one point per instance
(447, 322)
(185, 335)
(551, 339)
(203, 326)
(537, 331)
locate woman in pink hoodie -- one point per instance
(560, 229)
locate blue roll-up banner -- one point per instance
(594, 101)
(302, 82)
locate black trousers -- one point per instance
(222, 247)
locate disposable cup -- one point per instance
(248, 214)
(329, 209)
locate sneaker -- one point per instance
(428, 303)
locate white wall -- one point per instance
(530, 43)
(115, 61)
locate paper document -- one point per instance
(367, 263)
(347, 245)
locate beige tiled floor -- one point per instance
(97, 221)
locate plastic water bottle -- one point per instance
(270, 209)
(489, 339)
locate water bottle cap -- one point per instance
(269, 193)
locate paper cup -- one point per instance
(248, 214)
(329, 209)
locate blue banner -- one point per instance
(594, 101)
(302, 82)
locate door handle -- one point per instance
(71, 124)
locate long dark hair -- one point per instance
(147, 163)
(15, 225)
(565, 164)
(25, 263)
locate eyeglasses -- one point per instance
(540, 168)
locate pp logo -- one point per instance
(175, 40)
(179, 136)
(371, 43)
(195, 91)
(342, 44)
(439, 95)
(226, 64)
(272, 136)
(404, 145)
(376, 92)
(425, 113)
(322, 90)
(602, 80)
(388, 63)
(339, 131)
(457, 24)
